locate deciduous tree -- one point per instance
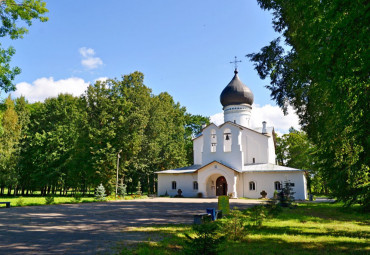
(13, 13)
(324, 74)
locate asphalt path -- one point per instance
(93, 228)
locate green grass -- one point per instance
(38, 200)
(306, 229)
(28, 201)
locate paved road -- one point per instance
(91, 228)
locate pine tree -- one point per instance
(122, 189)
(100, 193)
(138, 188)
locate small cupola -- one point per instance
(236, 93)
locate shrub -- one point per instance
(257, 214)
(49, 199)
(286, 195)
(207, 240)
(100, 193)
(20, 201)
(273, 208)
(234, 224)
(122, 190)
(77, 198)
(138, 188)
(199, 194)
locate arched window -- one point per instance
(277, 185)
(195, 185)
(227, 140)
(252, 186)
(213, 140)
(174, 185)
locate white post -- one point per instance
(235, 194)
(118, 156)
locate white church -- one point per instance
(233, 159)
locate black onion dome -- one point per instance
(236, 92)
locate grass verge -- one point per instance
(38, 200)
(307, 229)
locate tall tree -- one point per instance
(9, 140)
(117, 113)
(324, 74)
(49, 152)
(193, 126)
(11, 12)
(295, 150)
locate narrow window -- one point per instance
(174, 185)
(227, 140)
(254, 160)
(252, 186)
(195, 185)
(213, 140)
(277, 185)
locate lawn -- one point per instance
(38, 200)
(307, 229)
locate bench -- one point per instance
(201, 218)
(7, 204)
(218, 214)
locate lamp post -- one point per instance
(118, 156)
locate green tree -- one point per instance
(49, 153)
(324, 74)
(296, 150)
(193, 127)
(117, 115)
(164, 145)
(9, 140)
(11, 13)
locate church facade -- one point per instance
(233, 159)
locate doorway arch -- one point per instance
(221, 186)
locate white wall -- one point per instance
(257, 147)
(183, 182)
(232, 158)
(210, 173)
(239, 114)
(265, 181)
(271, 151)
(198, 150)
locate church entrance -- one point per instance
(221, 186)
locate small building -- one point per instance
(233, 159)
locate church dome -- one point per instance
(236, 93)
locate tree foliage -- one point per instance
(71, 143)
(12, 13)
(324, 74)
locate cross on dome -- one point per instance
(235, 62)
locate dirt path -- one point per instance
(92, 228)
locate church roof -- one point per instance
(268, 168)
(181, 170)
(236, 93)
(248, 168)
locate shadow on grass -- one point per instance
(267, 230)
(170, 240)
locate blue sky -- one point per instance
(182, 47)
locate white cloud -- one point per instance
(102, 79)
(88, 58)
(43, 88)
(273, 115)
(86, 52)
